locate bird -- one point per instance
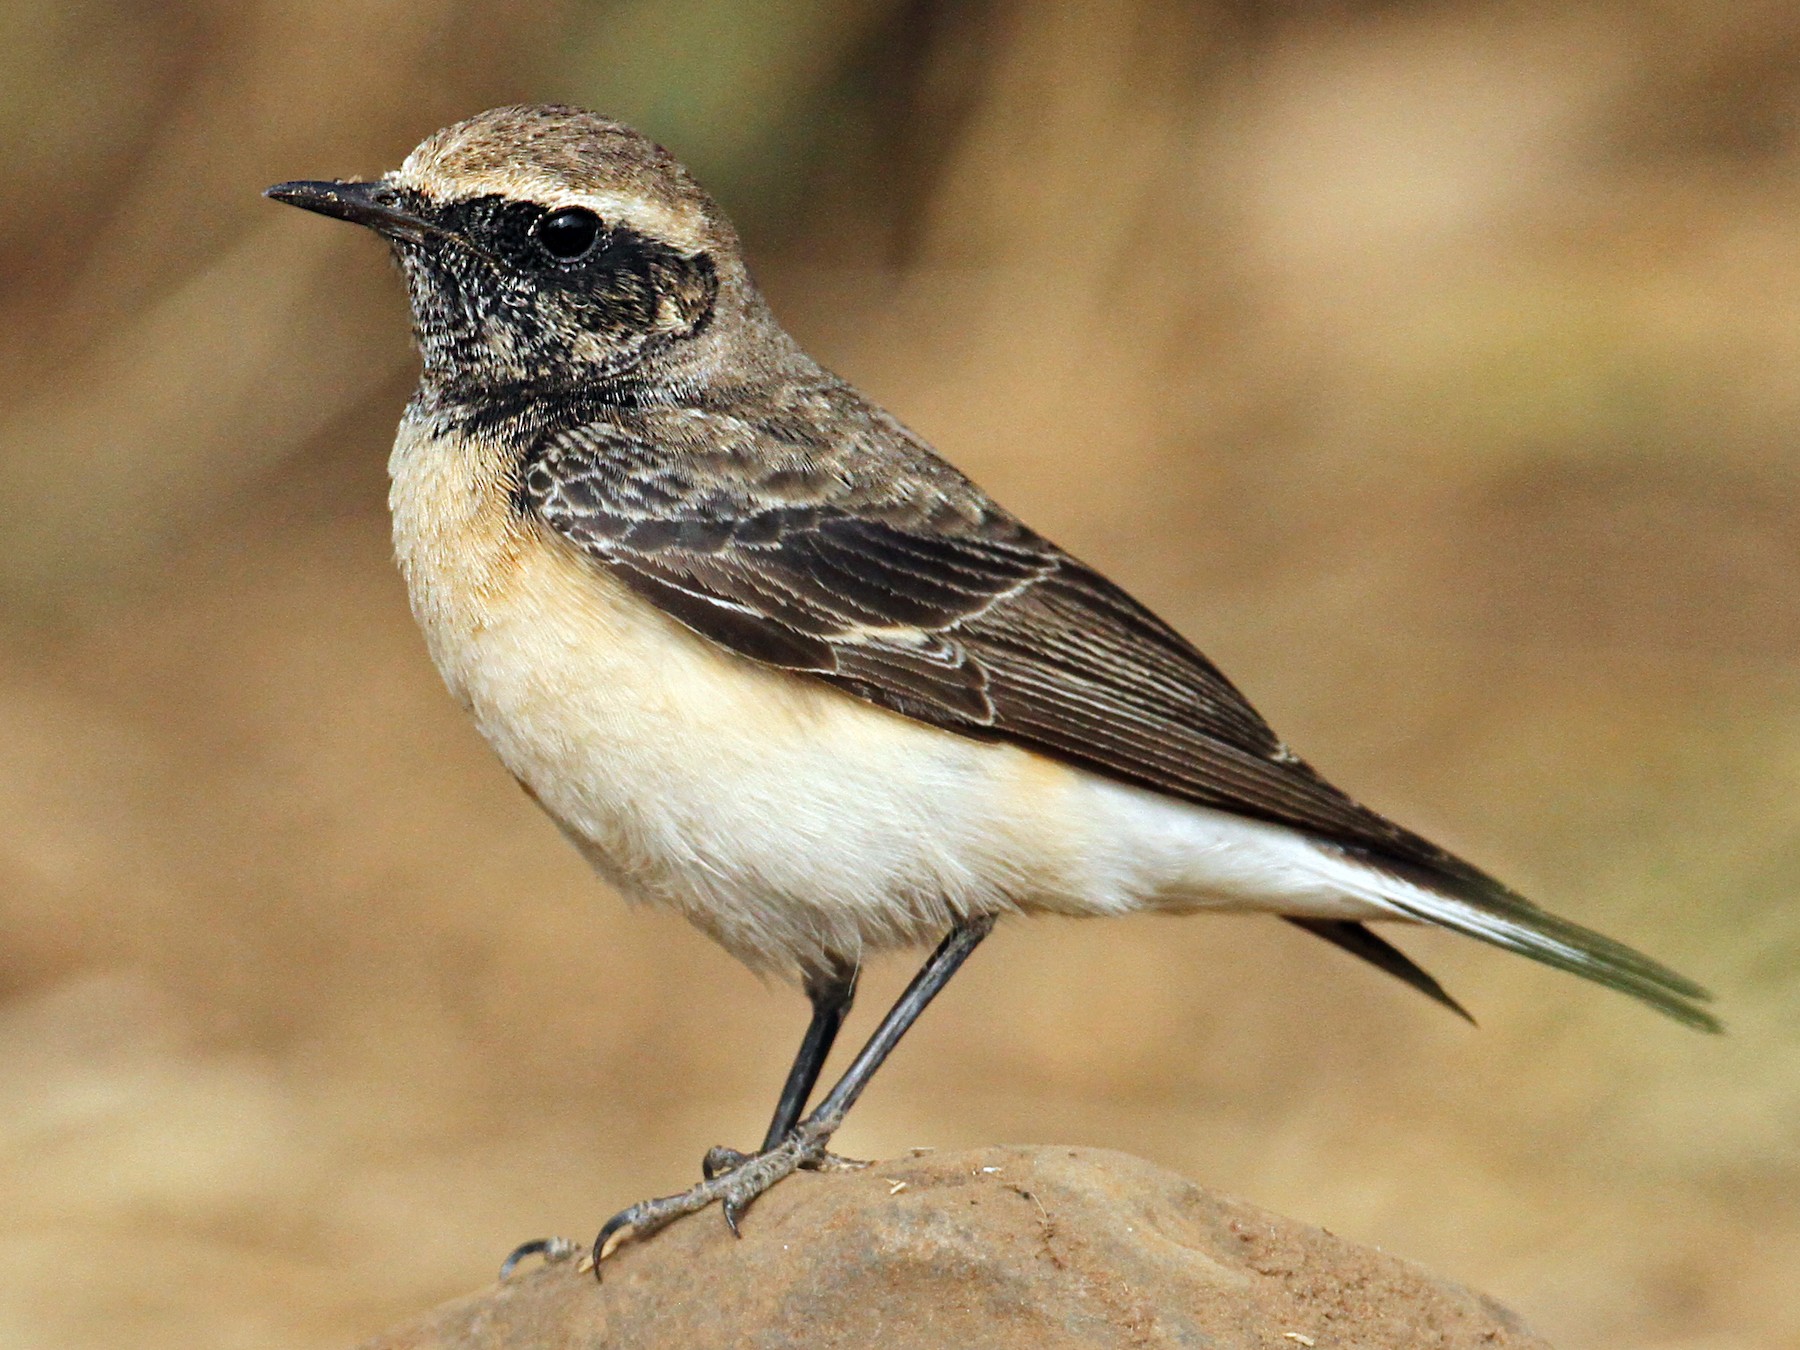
(770, 662)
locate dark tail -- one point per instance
(1462, 898)
(1362, 942)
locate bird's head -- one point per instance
(551, 246)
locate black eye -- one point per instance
(566, 235)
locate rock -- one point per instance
(1002, 1247)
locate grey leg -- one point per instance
(737, 1188)
(831, 997)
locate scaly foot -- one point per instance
(733, 1180)
(720, 1159)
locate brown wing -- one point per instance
(918, 594)
(966, 620)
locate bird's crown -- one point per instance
(561, 157)
(548, 245)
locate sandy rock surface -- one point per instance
(1000, 1247)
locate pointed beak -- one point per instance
(378, 205)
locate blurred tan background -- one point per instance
(1436, 366)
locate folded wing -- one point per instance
(954, 613)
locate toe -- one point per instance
(720, 1160)
(552, 1249)
(827, 1161)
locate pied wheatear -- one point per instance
(770, 662)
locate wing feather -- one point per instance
(969, 620)
(934, 603)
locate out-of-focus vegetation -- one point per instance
(1436, 366)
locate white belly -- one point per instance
(791, 821)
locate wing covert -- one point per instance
(964, 619)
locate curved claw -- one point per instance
(734, 1190)
(552, 1249)
(617, 1228)
(719, 1160)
